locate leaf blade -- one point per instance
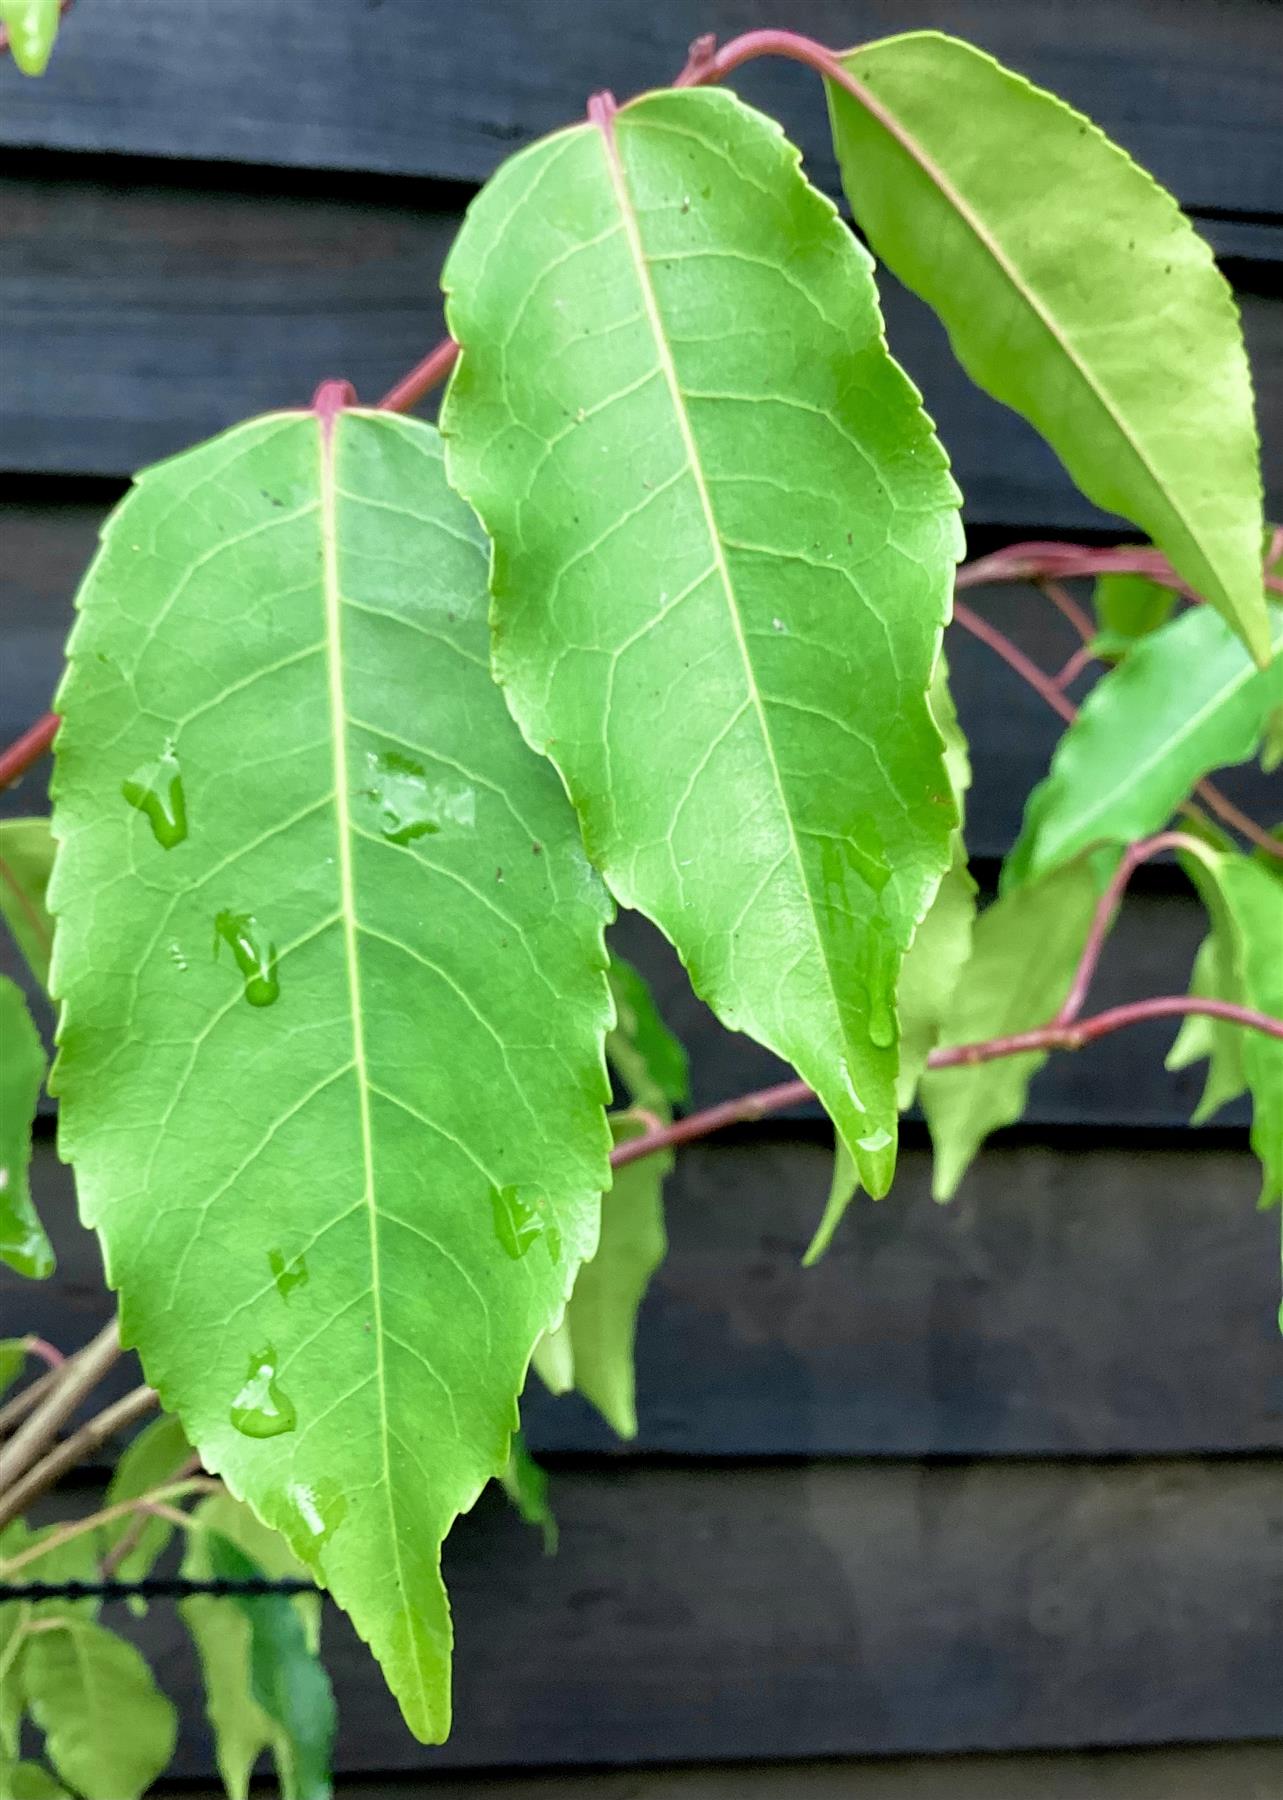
(26, 862)
(277, 579)
(109, 1731)
(1115, 336)
(746, 624)
(24, 1244)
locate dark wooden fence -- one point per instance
(998, 1478)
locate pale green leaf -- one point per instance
(724, 537)
(642, 1050)
(1128, 608)
(1073, 289)
(26, 858)
(32, 26)
(843, 1188)
(601, 1317)
(23, 1243)
(553, 1360)
(1187, 700)
(1272, 741)
(1214, 1041)
(1252, 899)
(152, 1459)
(526, 1485)
(334, 997)
(224, 1639)
(28, 1781)
(287, 1681)
(1025, 948)
(109, 1731)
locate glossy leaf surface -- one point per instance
(32, 27)
(109, 1731)
(23, 1243)
(224, 1639)
(333, 982)
(26, 859)
(724, 537)
(1025, 949)
(1073, 289)
(1188, 699)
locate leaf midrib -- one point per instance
(668, 370)
(949, 192)
(327, 430)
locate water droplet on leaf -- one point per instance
(286, 1276)
(262, 1409)
(156, 790)
(519, 1223)
(409, 806)
(321, 1507)
(178, 959)
(882, 1029)
(239, 931)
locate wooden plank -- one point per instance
(1083, 1303)
(338, 83)
(139, 319)
(769, 1613)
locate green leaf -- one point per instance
(1073, 290)
(149, 1461)
(553, 1360)
(1128, 608)
(601, 1317)
(526, 1485)
(843, 1188)
(643, 1051)
(1215, 1041)
(1186, 700)
(334, 997)
(1272, 741)
(287, 1681)
(724, 540)
(23, 1243)
(28, 1781)
(13, 1359)
(26, 858)
(224, 1638)
(32, 27)
(109, 1731)
(1025, 949)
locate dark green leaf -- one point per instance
(26, 858)
(643, 1051)
(23, 1243)
(1187, 700)
(526, 1485)
(1073, 290)
(287, 1680)
(724, 538)
(334, 997)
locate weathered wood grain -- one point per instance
(401, 86)
(139, 319)
(1071, 1303)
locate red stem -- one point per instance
(423, 377)
(1015, 658)
(1064, 603)
(28, 749)
(1133, 857)
(48, 1353)
(1081, 659)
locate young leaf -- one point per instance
(223, 1637)
(601, 1317)
(1215, 1041)
(109, 1731)
(287, 1681)
(1185, 701)
(642, 1050)
(1073, 290)
(553, 1360)
(843, 1188)
(526, 1486)
(152, 1459)
(23, 1243)
(26, 858)
(724, 537)
(1128, 608)
(32, 27)
(13, 1359)
(333, 983)
(1025, 948)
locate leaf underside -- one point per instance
(724, 539)
(1073, 290)
(331, 964)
